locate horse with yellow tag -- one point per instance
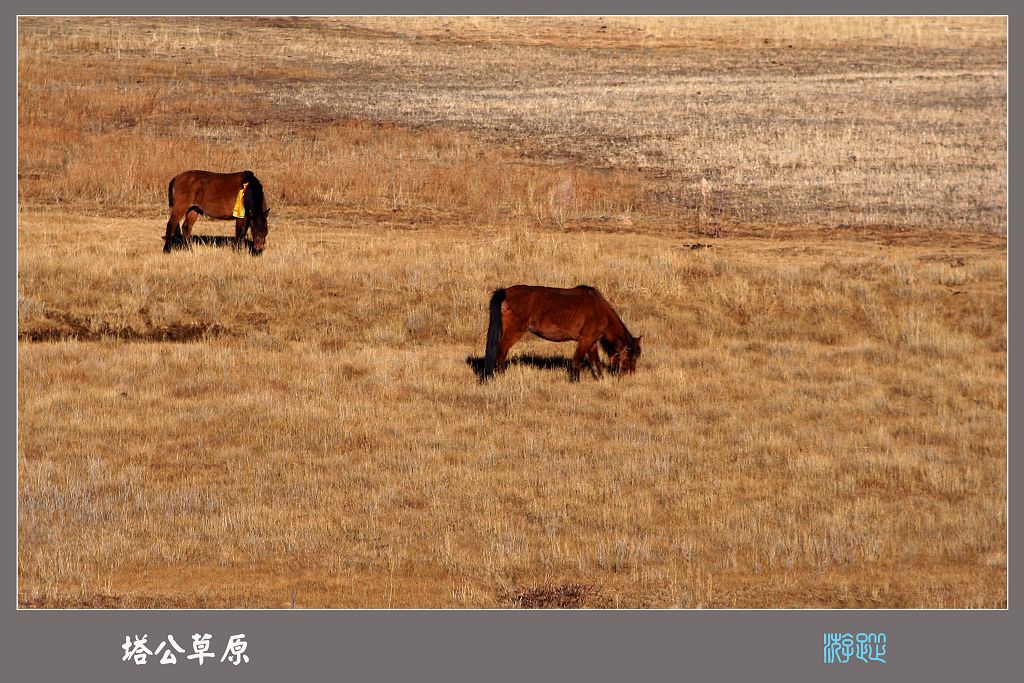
(224, 196)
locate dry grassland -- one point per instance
(819, 417)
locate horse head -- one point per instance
(258, 224)
(626, 356)
(256, 212)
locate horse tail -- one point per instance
(493, 334)
(170, 193)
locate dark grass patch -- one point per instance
(550, 596)
(105, 601)
(67, 326)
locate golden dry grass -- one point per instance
(857, 134)
(818, 418)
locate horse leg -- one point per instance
(240, 230)
(595, 361)
(583, 348)
(186, 229)
(508, 338)
(173, 228)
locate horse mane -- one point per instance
(608, 347)
(253, 198)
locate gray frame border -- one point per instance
(940, 645)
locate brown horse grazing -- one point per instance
(579, 314)
(195, 193)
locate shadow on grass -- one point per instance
(220, 241)
(530, 360)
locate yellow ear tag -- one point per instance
(239, 211)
